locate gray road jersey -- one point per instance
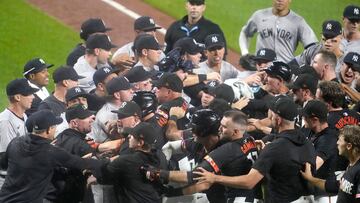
(282, 34)
(353, 46)
(227, 70)
(126, 49)
(308, 54)
(83, 68)
(11, 127)
(99, 125)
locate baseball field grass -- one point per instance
(231, 15)
(27, 32)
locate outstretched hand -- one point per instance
(204, 176)
(306, 173)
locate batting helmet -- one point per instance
(205, 122)
(147, 101)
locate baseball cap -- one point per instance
(353, 59)
(196, 2)
(285, 108)
(315, 108)
(189, 45)
(101, 41)
(248, 62)
(331, 29)
(305, 81)
(170, 81)
(214, 40)
(117, 84)
(138, 74)
(101, 74)
(146, 41)
(210, 85)
(77, 111)
(128, 109)
(42, 120)
(35, 65)
(74, 93)
(265, 55)
(91, 26)
(223, 91)
(145, 23)
(19, 86)
(280, 70)
(352, 12)
(65, 73)
(143, 131)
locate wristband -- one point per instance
(202, 77)
(173, 118)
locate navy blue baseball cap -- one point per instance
(19, 86)
(352, 12)
(78, 111)
(285, 108)
(196, 2)
(101, 41)
(101, 74)
(128, 109)
(280, 70)
(315, 108)
(145, 23)
(65, 73)
(353, 59)
(35, 65)
(265, 55)
(74, 93)
(138, 74)
(214, 40)
(42, 120)
(189, 45)
(331, 29)
(117, 84)
(91, 26)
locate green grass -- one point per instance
(27, 32)
(231, 15)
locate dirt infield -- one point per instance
(74, 12)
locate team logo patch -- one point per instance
(262, 53)
(214, 39)
(329, 26)
(355, 58)
(356, 11)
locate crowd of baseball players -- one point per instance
(178, 123)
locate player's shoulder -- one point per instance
(294, 16)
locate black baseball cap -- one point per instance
(19, 86)
(248, 62)
(285, 108)
(138, 74)
(196, 2)
(145, 23)
(101, 74)
(91, 26)
(189, 45)
(74, 93)
(128, 109)
(315, 108)
(65, 73)
(353, 59)
(170, 81)
(144, 131)
(77, 111)
(305, 81)
(352, 12)
(265, 54)
(117, 84)
(146, 41)
(42, 120)
(35, 65)
(223, 91)
(331, 29)
(214, 40)
(101, 41)
(210, 85)
(280, 70)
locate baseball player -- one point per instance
(279, 29)
(351, 22)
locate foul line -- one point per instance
(129, 12)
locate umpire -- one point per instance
(31, 159)
(279, 161)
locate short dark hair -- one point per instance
(328, 57)
(332, 93)
(237, 117)
(351, 135)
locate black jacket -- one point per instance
(31, 162)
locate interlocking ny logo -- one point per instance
(151, 21)
(42, 61)
(78, 90)
(355, 58)
(356, 11)
(262, 53)
(106, 70)
(214, 39)
(328, 26)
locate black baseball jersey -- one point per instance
(199, 31)
(349, 188)
(338, 119)
(326, 148)
(281, 161)
(233, 159)
(53, 104)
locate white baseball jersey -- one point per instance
(83, 68)
(281, 34)
(11, 126)
(102, 117)
(126, 49)
(227, 70)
